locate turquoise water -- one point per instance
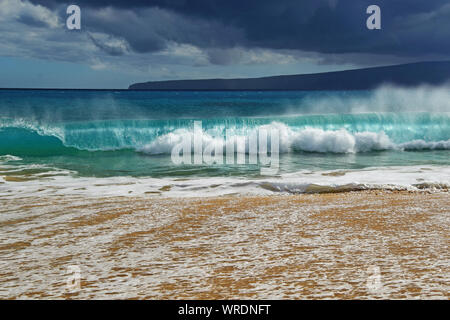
(108, 133)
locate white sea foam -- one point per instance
(424, 145)
(8, 157)
(391, 178)
(340, 141)
(308, 140)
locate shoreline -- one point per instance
(308, 246)
(55, 182)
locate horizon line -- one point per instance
(269, 76)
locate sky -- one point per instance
(123, 42)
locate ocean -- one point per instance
(120, 142)
(89, 191)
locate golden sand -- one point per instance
(373, 244)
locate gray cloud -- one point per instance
(201, 32)
(412, 27)
(109, 44)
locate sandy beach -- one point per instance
(364, 245)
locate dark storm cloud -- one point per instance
(151, 29)
(409, 27)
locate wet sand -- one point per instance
(365, 245)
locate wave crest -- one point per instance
(306, 140)
(350, 133)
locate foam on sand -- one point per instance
(63, 182)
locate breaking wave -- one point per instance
(332, 133)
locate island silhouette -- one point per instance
(412, 74)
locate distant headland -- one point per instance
(412, 74)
